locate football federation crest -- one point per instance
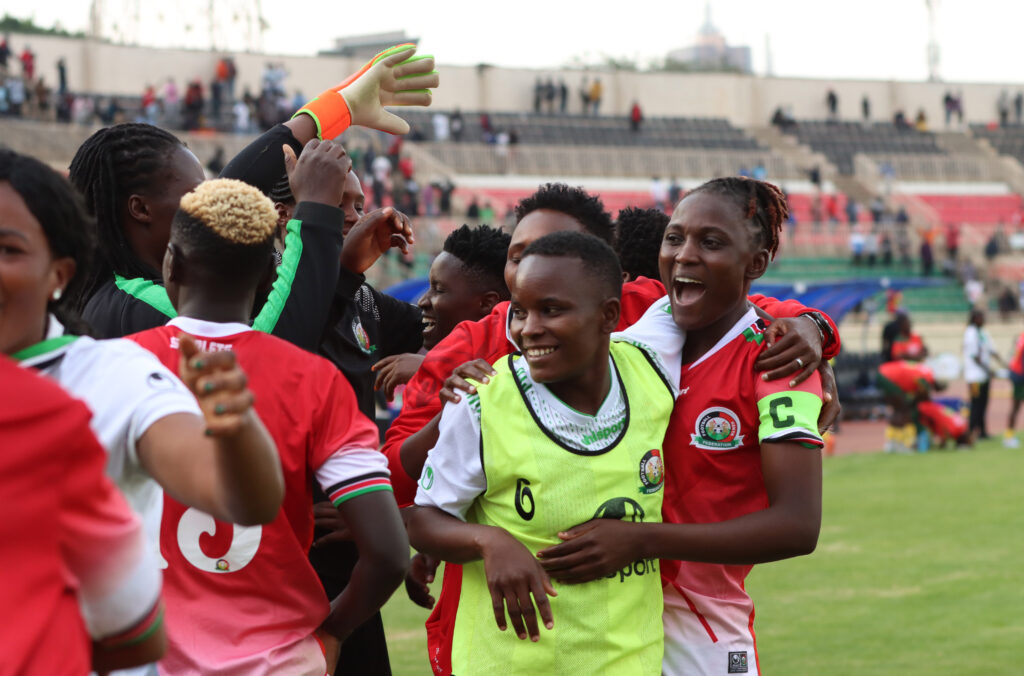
(362, 338)
(652, 472)
(718, 429)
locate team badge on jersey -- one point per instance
(718, 429)
(738, 662)
(652, 472)
(362, 338)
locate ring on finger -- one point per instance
(800, 362)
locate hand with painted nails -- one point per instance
(219, 385)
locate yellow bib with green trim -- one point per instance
(536, 487)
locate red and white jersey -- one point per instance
(713, 458)
(245, 600)
(75, 562)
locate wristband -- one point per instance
(330, 112)
(824, 330)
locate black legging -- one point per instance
(979, 407)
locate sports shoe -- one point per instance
(1011, 442)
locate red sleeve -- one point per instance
(794, 308)
(340, 425)
(637, 296)
(484, 339)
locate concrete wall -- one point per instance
(744, 100)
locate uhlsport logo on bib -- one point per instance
(717, 429)
(652, 472)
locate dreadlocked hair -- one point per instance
(482, 250)
(67, 226)
(638, 234)
(574, 202)
(760, 202)
(227, 226)
(112, 164)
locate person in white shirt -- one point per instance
(979, 350)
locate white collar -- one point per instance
(199, 327)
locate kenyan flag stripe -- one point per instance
(360, 485)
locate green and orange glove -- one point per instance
(395, 77)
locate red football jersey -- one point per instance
(68, 533)
(713, 458)
(911, 377)
(245, 600)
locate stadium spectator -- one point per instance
(381, 178)
(832, 102)
(585, 96)
(563, 95)
(5, 55)
(948, 106)
(487, 213)
(62, 76)
(921, 121)
(596, 94)
(442, 126)
(675, 192)
(549, 96)
(538, 94)
(1018, 108)
(865, 108)
(16, 95)
(978, 353)
(225, 76)
(659, 192)
(851, 210)
(1003, 108)
(952, 240)
(457, 124)
(193, 105)
(636, 117)
(473, 211)
(28, 63)
(444, 197)
(927, 255)
(243, 116)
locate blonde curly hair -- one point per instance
(233, 209)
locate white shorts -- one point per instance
(705, 636)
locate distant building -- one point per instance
(366, 46)
(711, 52)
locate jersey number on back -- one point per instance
(245, 540)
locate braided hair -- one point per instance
(760, 202)
(111, 165)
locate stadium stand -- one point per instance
(840, 141)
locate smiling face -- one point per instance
(455, 295)
(709, 255)
(535, 225)
(29, 274)
(352, 201)
(560, 318)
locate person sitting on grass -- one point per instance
(568, 429)
(904, 384)
(234, 612)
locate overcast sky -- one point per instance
(871, 39)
